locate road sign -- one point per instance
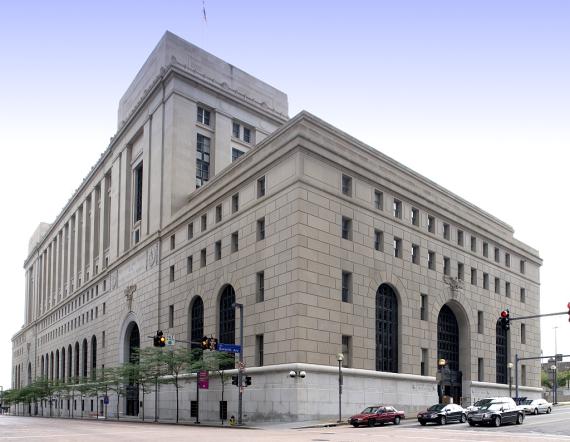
(231, 348)
(106, 400)
(203, 380)
(559, 357)
(170, 341)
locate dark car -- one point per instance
(442, 414)
(377, 414)
(497, 413)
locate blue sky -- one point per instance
(472, 94)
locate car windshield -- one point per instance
(436, 407)
(369, 410)
(482, 402)
(491, 407)
(527, 402)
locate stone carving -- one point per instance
(455, 284)
(152, 256)
(129, 294)
(114, 278)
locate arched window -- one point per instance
(42, 365)
(196, 321)
(448, 338)
(29, 373)
(93, 357)
(84, 371)
(228, 316)
(76, 371)
(69, 362)
(57, 364)
(51, 366)
(501, 353)
(63, 364)
(47, 366)
(386, 329)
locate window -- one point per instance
(259, 350)
(507, 289)
(346, 347)
(423, 307)
(218, 213)
(522, 267)
(523, 333)
(460, 238)
(346, 287)
(415, 216)
(189, 265)
(378, 200)
(261, 229)
(227, 319)
(386, 329)
(378, 240)
(480, 366)
(497, 285)
(480, 323)
(431, 224)
(261, 187)
(460, 271)
(446, 231)
(523, 295)
(202, 160)
(102, 344)
(397, 248)
(171, 273)
(196, 321)
(486, 281)
(424, 362)
(235, 129)
(203, 258)
(415, 254)
(236, 153)
(397, 209)
(203, 116)
(204, 222)
(431, 260)
(235, 242)
(507, 259)
(172, 242)
(347, 185)
(485, 249)
(103, 308)
(190, 230)
(260, 286)
(473, 244)
(218, 250)
(473, 276)
(247, 135)
(346, 228)
(446, 266)
(235, 203)
(497, 255)
(171, 316)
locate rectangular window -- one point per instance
(261, 229)
(171, 273)
(480, 367)
(485, 249)
(460, 271)
(203, 258)
(522, 267)
(218, 213)
(247, 134)
(497, 255)
(346, 228)
(473, 244)
(480, 323)
(236, 153)
(523, 333)
(202, 160)
(486, 281)
(189, 265)
(103, 339)
(104, 305)
(415, 254)
(446, 231)
(423, 307)
(431, 224)
(260, 286)
(397, 248)
(378, 200)
(523, 295)
(235, 129)
(235, 203)
(203, 116)
(191, 230)
(507, 259)
(507, 289)
(138, 184)
(397, 209)
(172, 242)
(235, 242)
(204, 222)
(431, 260)
(218, 250)
(171, 316)
(446, 266)
(259, 350)
(346, 349)
(424, 362)
(378, 240)
(346, 185)
(473, 276)
(415, 216)
(460, 238)
(261, 187)
(497, 285)
(346, 287)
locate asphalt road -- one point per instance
(542, 428)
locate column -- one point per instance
(94, 248)
(56, 267)
(71, 260)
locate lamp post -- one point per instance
(440, 364)
(339, 358)
(553, 368)
(510, 365)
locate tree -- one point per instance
(116, 377)
(146, 371)
(217, 362)
(176, 362)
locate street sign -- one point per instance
(559, 357)
(203, 380)
(170, 341)
(106, 400)
(231, 348)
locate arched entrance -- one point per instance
(386, 329)
(448, 349)
(501, 353)
(132, 344)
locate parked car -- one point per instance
(496, 412)
(377, 414)
(442, 414)
(484, 401)
(535, 406)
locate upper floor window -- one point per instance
(415, 216)
(203, 116)
(261, 187)
(236, 153)
(138, 178)
(497, 255)
(202, 160)
(346, 287)
(235, 130)
(378, 240)
(397, 247)
(473, 244)
(460, 238)
(522, 266)
(415, 254)
(242, 132)
(431, 224)
(446, 231)
(378, 200)
(431, 260)
(507, 259)
(347, 185)
(346, 228)
(485, 250)
(397, 208)
(235, 203)
(218, 213)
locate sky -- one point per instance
(473, 95)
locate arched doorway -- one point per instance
(93, 357)
(196, 322)
(448, 349)
(227, 319)
(132, 345)
(386, 329)
(501, 345)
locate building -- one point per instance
(209, 194)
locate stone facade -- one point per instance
(306, 227)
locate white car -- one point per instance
(536, 406)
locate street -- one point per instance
(535, 428)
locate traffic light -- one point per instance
(247, 380)
(213, 344)
(156, 340)
(505, 320)
(159, 339)
(234, 379)
(205, 343)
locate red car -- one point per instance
(377, 414)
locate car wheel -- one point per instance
(535, 411)
(497, 421)
(463, 418)
(442, 420)
(423, 423)
(548, 410)
(519, 419)
(371, 422)
(397, 420)
(355, 425)
(471, 423)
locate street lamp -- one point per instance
(553, 368)
(510, 365)
(440, 364)
(339, 358)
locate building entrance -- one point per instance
(132, 393)
(448, 349)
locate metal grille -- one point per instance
(501, 353)
(386, 329)
(227, 316)
(197, 322)
(448, 338)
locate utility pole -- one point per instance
(240, 369)
(555, 385)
